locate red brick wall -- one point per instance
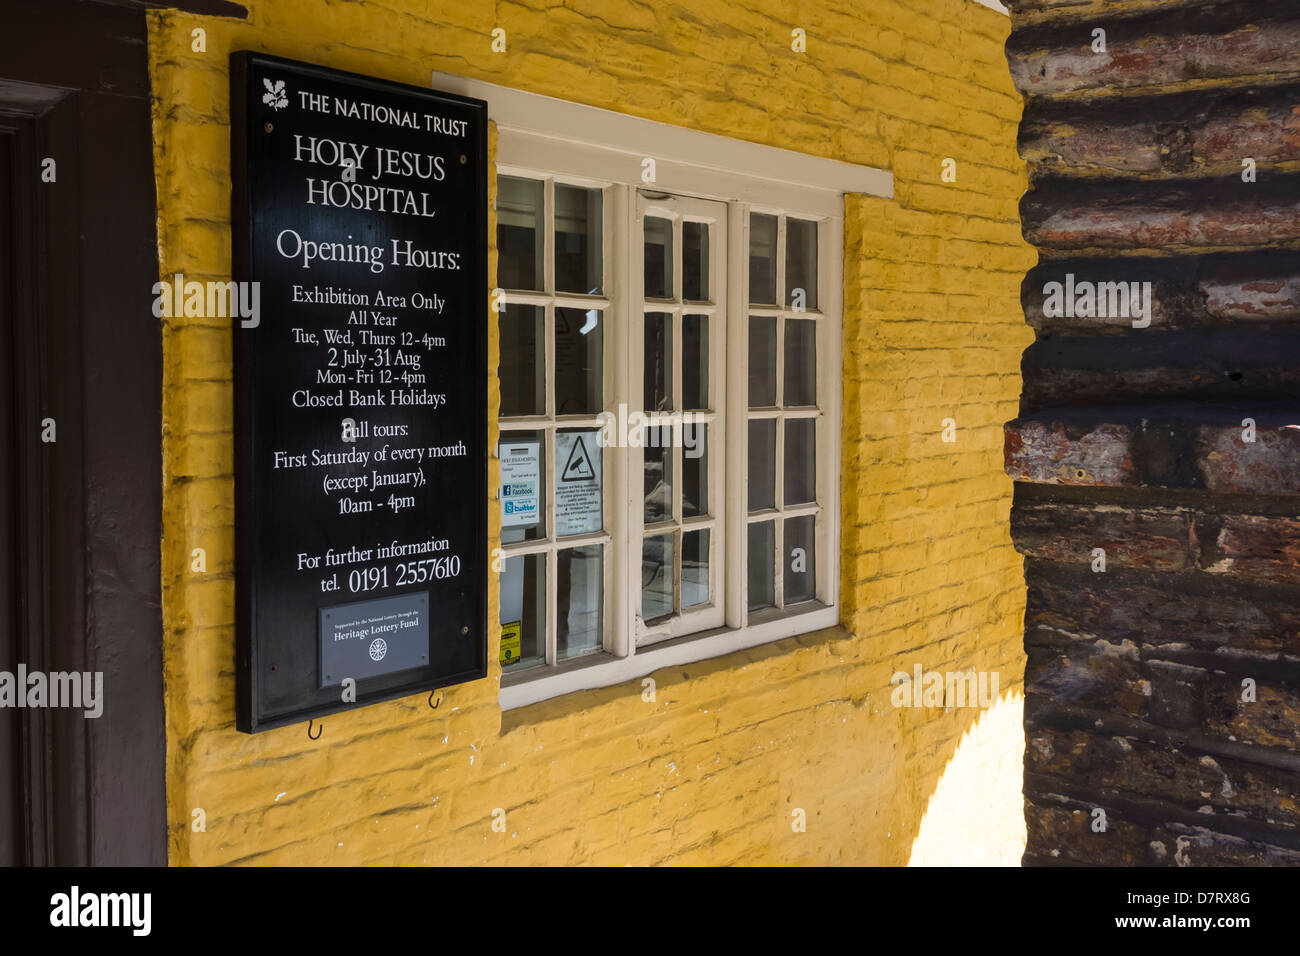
(1145, 743)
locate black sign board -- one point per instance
(360, 214)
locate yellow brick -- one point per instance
(932, 327)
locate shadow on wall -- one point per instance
(978, 793)
(738, 751)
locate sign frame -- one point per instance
(249, 645)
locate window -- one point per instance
(670, 388)
(622, 365)
(785, 425)
(679, 308)
(554, 382)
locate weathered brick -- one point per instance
(1127, 765)
(1150, 53)
(1263, 547)
(1184, 609)
(1179, 439)
(1060, 833)
(1152, 365)
(1169, 219)
(1153, 538)
(1266, 298)
(1165, 137)
(1159, 446)
(1268, 465)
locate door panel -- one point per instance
(11, 776)
(80, 536)
(679, 314)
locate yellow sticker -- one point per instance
(510, 642)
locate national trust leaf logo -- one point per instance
(275, 95)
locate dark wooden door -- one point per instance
(11, 848)
(80, 526)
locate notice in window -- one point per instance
(510, 641)
(577, 483)
(520, 475)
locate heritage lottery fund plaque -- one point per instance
(360, 210)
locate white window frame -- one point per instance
(677, 210)
(546, 138)
(828, 316)
(550, 421)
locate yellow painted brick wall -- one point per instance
(711, 771)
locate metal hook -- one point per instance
(431, 703)
(320, 730)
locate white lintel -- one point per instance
(539, 118)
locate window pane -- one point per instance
(578, 481)
(762, 362)
(762, 259)
(519, 226)
(799, 582)
(658, 258)
(658, 361)
(762, 464)
(800, 461)
(579, 605)
(695, 261)
(579, 367)
(800, 263)
(577, 239)
(760, 571)
(695, 469)
(656, 576)
(695, 568)
(800, 362)
(523, 486)
(520, 372)
(658, 473)
(523, 610)
(695, 361)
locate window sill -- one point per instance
(603, 670)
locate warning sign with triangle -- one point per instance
(578, 500)
(578, 467)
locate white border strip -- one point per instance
(566, 122)
(602, 672)
(994, 5)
